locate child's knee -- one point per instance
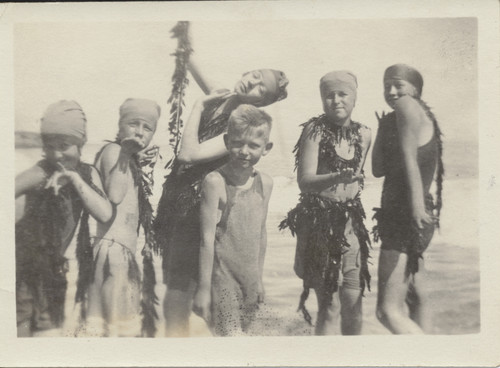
(387, 312)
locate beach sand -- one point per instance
(452, 263)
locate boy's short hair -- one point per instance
(246, 117)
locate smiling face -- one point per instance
(256, 87)
(246, 146)
(395, 88)
(338, 104)
(62, 149)
(139, 129)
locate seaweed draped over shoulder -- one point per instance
(177, 222)
(42, 237)
(320, 223)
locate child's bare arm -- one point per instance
(192, 151)
(267, 183)
(30, 179)
(408, 123)
(378, 166)
(97, 204)
(210, 197)
(308, 179)
(114, 165)
(195, 64)
(366, 141)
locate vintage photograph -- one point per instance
(204, 178)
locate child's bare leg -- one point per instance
(94, 325)
(24, 310)
(350, 292)
(119, 295)
(351, 311)
(392, 291)
(109, 296)
(177, 309)
(23, 329)
(328, 314)
(418, 299)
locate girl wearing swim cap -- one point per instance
(202, 150)
(61, 192)
(407, 152)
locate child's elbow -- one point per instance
(106, 213)
(184, 158)
(303, 184)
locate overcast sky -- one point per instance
(101, 64)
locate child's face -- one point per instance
(248, 146)
(396, 88)
(254, 86)
(140, 130)
(338, 104)
(62, 149)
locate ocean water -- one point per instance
(452, 260)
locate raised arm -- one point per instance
(307, 177)
(378, 165)
(192, 151)
(210, 197)
(199, 76)
(195, 64)
(30, 179)
(267, 183)
(114, 165)
(409, 124)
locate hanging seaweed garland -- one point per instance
(144, 180)
(179, 84)
(149, 298)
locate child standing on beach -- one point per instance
(61, 192)
(233, 214)
(332, 241)
(408, 154)
(114, 295)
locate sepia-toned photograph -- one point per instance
(275, 180)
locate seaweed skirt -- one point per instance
(320, 226)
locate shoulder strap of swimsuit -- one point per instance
(226, 185)
(258, 185)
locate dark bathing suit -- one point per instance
(395, 225)
(177, 224)
(42, 237)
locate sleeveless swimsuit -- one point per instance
(236, 274)
(395, 226)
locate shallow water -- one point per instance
(452, 260)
